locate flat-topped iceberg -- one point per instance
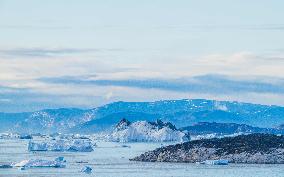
(143, 131)
(62, 145)
(40, 163)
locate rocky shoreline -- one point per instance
(252, 149)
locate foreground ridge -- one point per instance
(253, 148)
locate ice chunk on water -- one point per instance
(33, 163)
(216, 162)
(86, 169)
(60, 159)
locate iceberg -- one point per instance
(86, 169)
(62, 145)
(143, 131)
(39, 163)
(37, 146)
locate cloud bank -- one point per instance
(50, 78)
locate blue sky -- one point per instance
(87, 53)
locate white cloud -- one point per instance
(109, 95)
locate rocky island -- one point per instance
(252, 148)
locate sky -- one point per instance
(70, 53)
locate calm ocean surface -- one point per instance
(111, 160)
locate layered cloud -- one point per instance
(40, 78)
(210, 84)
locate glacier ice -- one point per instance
(62, 145)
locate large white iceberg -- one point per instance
(143, 131)
(32, 163)
(62, 145)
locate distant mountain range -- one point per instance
(181, 113)
(203, 128)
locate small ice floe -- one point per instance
(215, 162)
(62, 145)
(81, 161)
(60, 159)
(125, 146)
(86, 169)
(26, 137)
(39, 163)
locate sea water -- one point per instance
(112, 160)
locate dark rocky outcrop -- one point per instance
(123, 123)
(253, 148)
(160, 124)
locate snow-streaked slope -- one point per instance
(180, 112)
(143, 131)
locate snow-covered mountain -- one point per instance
(143, 131)
(181, 112)
(187, 112)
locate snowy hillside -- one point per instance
(143, 131)
(181, 112)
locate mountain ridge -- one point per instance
(184, 112)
